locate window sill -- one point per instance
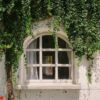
(48, 86)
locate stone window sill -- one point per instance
(48, 86)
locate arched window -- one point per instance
(48, 58)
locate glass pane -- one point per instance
(63, 72)
(62, 43)
(34, 44)
(28, 73)
(63, 57)
(32, 73)
(32, 57)
(48, 73)
(48, 57)
(48, 41)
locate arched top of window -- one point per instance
(48, 41)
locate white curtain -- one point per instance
(48, 70)
(32, 59)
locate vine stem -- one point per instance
(10, 93)
(9, 83)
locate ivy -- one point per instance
(81, 21)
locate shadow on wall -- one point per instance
(47, 95)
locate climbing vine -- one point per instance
(80, 19)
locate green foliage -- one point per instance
(80, 19)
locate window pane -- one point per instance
(48, 73)
(63, 72)
(34, 44)
(48, 57)
(32, 57)
(32, 73)
(28, 73)
(63, 57)
(61, 43)
(48, 41)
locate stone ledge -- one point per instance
(48, 87)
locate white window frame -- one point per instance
(41, 65)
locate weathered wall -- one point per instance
(48, 95)
(2, 76)
(86, 92)
(90, 91)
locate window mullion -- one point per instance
(40, 44)
(72, 74)
(31, 72)
(56, 59)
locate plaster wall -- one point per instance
(86, 92)
(2, 76)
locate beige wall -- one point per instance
(86, 92)
(2, 76)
